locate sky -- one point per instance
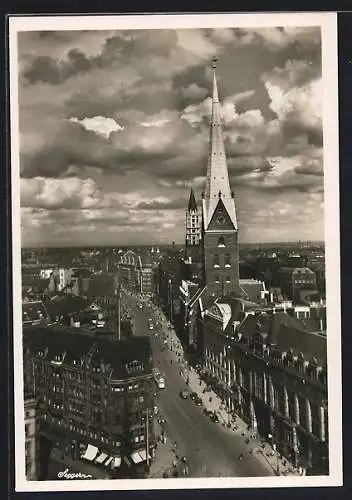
(114, 129)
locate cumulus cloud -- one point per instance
(99, 124)
(95, 105)
(41, 192)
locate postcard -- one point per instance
(175, 202)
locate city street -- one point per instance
(211, 449)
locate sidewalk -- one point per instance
(78, 466)
(166, 462)
(261, 449)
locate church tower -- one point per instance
(193, 233)
(219, 224)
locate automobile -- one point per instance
(184, 394)
(198, 401)
(214, 418)
(207, 413)
(193, 395)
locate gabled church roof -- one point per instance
(217, 184)
(192, 204)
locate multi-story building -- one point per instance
(169, 283)
(297, 282)
(130, 266)
(32, 440)
(147, 275)
(95, 395)
(273, 373)
(102, 288)
(58, 278)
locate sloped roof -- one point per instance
(217, 172)
(302, 341)
(77, 346)
(253, 324)
(192, 204)
(252, 289)
(33, 311)
(37, 284)
(66, 304)
(99, 285)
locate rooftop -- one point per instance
(75, 346)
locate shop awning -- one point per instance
(136, 458)
(109, 460)
(90, 453)
(100, 459)
(116, 462)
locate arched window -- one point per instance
(221, 242)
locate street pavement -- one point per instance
(211, 449)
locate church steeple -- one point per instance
(217, 183)
(219, 231)
(192, 204)
(193, 229)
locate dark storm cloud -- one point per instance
(119, 48)
(48, 70)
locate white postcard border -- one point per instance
(328, 24)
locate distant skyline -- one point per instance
(114, 132)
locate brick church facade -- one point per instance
(267, 367)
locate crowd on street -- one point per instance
(213, 406)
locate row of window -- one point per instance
(298, 409)
(218, 279)
(227, 259)
(81, 430)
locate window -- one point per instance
(216, 260)
(217, 279)
(227, 260)
(228, 279)
(221, 242)
(27, 430)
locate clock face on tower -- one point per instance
(221, 219)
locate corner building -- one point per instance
(94, 396)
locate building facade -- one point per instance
(295, 282)
(129, 267)
(273, 374)
(32, 446)
(93, 394)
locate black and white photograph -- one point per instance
(175, 206)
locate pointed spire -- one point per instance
(192, 204)
(217, 172)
